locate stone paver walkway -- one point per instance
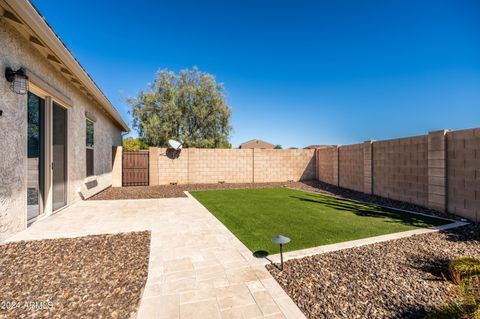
(198, 268)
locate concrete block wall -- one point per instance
(439, 170)
(326, 170)
(220, 165)
(368, 167)
(463, 173)
(197, 166)
(400, 169)
(272, 165)
(172, 167)
(350, 167)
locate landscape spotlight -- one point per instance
(281, 240)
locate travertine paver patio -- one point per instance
(197, 269)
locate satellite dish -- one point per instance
(176, 145)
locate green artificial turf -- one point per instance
(309, 219)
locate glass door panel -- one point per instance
(59, 158)
(35, 157)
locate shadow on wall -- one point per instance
(172, 153)
(310, 170)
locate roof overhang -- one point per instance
(26, 18)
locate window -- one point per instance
(89, 144)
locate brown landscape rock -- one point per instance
(402, 278)
(99, 276)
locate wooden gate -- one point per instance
(135, 168)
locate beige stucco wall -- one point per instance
(15, 52)
(256, 144)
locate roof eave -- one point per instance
(29, 14)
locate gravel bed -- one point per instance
(98, 276)
(324, 188)
(402, 278)
(167, 191)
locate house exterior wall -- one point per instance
(16, 52)
(256, 144)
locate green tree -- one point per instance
(278, 147)
(131, 144)
(189, 106)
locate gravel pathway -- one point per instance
(397, 279)
(98, 276)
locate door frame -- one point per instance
(42, 171)
(42, 90)
(67, 120)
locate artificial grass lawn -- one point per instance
(309, 219)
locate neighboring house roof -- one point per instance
(314, 146)
(28, 20)
(256, 144)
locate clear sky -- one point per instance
(296, 72)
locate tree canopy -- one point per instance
(189, 106)
(131, 144)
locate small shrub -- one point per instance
(464, 267)
(464, 299)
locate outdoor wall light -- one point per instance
(18, 80)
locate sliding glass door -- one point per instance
(59, 156)
(36, 157)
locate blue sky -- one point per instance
(296, 72)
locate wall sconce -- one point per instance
(18, 80)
